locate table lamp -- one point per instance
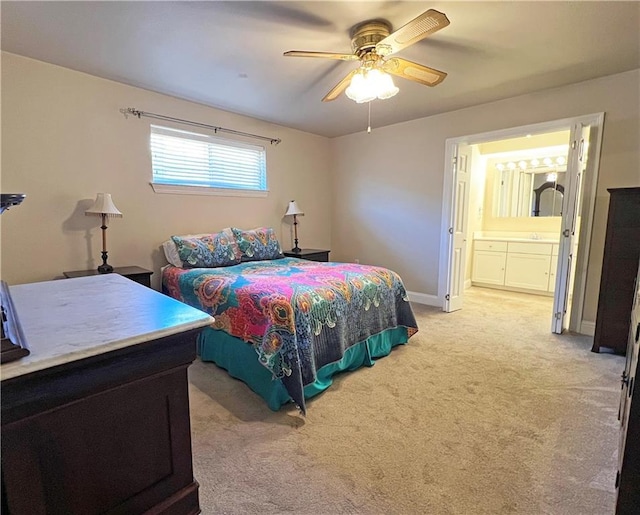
(104, 207)
(294, 211)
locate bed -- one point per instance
(285, 325)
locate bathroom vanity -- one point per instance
(519, 264)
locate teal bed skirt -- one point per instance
(241, 361)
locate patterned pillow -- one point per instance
(209, 250)
(258, 244)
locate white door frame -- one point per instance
(588, 202)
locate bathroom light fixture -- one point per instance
(548, 163)
(104, 207)
(369, 84)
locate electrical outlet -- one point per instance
(356, 261)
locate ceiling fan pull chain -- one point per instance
(369, 125)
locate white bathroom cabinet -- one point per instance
(528, 266)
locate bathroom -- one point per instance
(515, 212)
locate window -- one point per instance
(187, 162)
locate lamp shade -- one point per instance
(293, 209)
(103, 206)
(367, 85)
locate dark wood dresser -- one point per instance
(628, 479)
(619, 267)
(95, 420)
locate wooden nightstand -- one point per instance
(135, 273)
(309, 254)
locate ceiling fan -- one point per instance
(373, 43)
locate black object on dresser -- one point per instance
(628, 479)
(135, 273)
(13, 344)
(310, 254)
(619, 266)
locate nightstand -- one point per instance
(309, 254)
(135, 273)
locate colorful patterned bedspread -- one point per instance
(299, 315)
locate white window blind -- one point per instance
(182, 158)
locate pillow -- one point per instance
(205, 250)
(258, 244)
(171, 252)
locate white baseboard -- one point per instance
(423, 298)
(587, 327)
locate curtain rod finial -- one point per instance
(130, 110)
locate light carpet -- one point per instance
(483, 412)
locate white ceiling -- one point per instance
(229, 54)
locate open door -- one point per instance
(571, 208)
(458, 228)
(577, 214)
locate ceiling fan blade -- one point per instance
(427, 23)
(325, 55)
(413, 71)
(339, 88)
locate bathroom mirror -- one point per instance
(528, 192)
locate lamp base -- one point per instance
(296, 249)
(104, 268)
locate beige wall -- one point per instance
(64, 140)
(388, 184)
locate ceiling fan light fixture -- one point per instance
(367, 85)
(373, 42)
(360, 89)
(386, 87)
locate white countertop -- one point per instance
(507, 238)
(71, 319)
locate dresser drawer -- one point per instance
(496, 246)
(530, 248)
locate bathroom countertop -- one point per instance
(519, 240)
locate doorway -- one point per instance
(519, 184)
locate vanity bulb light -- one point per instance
(547, 161)
(561, 160)
(552, 177)
(535, 162)
(500, 167)
(522, 165)
(511, 165)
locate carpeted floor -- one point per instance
(483, 412)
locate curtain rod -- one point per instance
(139, 114)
